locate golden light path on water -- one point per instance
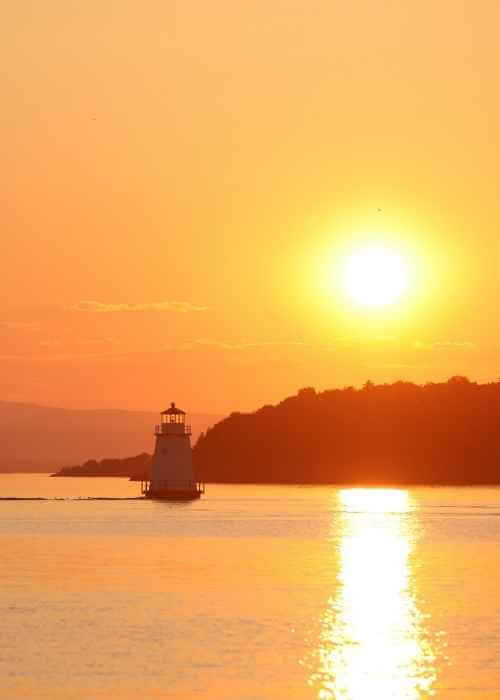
(373, 643)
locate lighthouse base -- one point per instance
(190, 493)
(173, 495)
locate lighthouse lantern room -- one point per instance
(172, 474)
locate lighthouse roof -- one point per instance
(173, 410)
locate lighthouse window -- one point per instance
(164, 451)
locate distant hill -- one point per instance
(400, 433)
(41, 438)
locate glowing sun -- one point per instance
(375, 276)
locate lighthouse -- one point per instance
(172, 475)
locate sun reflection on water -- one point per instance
(373, 643)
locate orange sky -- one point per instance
(218, 155)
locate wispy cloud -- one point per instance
(223, 345)
(99, 307)
(98, 341)
(460, 344)
(63, 356)
(402, 365)
(58, 342)
(355, 340)
(50, 343)
(444, 344)
(21, 325)
(338, 343)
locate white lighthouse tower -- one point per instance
(172, 474)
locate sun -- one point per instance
(375, 276)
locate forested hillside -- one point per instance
(401, 433)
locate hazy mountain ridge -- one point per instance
(44, 438)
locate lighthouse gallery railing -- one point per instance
(161, 429)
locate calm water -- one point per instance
(253, 592)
